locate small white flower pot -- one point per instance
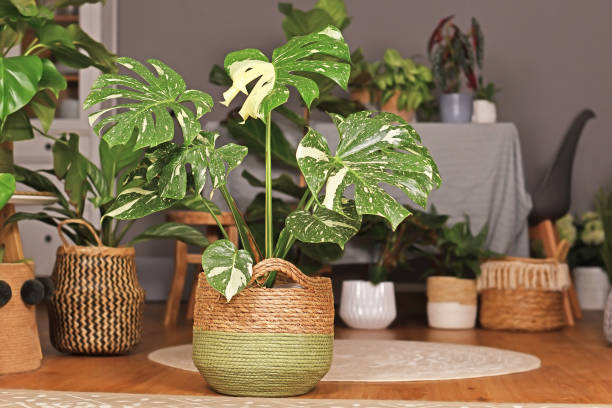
(364, 305)
(484, 111)
(592, 287)
(451, 302)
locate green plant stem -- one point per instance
(269, 233)
(246, 237)
(217, 221)
(124, 231)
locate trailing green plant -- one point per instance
(452, 55)
(103, 188)
(374, 149)
(604, 210)
(585, 235)
(397, 74)
(31, 83)
(397, 247)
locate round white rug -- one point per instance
(394, 360)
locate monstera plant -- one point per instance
(374, 150)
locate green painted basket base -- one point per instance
(262, 364)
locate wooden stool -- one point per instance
(182, 258)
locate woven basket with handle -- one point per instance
(98, 303)
(267, 341)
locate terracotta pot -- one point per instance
(391, 107)
(451, 302)
(19, 343)
(361, 95)
(364, 305)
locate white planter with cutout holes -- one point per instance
(364, 305)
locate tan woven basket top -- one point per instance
(524, 273)
(451, 289)
(305, 309)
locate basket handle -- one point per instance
(77, 221)
(265, 266)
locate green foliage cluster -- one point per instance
(604, 210)
(585, 236)
(397, 74)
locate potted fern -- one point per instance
(452, 56)
(251, 301)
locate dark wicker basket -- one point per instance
(98, 303)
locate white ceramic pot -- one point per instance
(451, 302)
(592, 287)
(364, 305)
(484, 111)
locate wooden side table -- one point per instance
(182, 258)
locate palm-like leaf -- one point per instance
(299, 55)
(373, 150)
(148, 111)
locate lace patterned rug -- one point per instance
(394, 360)
(68, 399)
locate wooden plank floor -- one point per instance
(576, 367)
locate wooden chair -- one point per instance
(182, 258)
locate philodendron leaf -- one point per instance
(325, 225)
(19, 78)
(16, 127)
(172, 230)
(203, 156)
(298, 55)
(148, 105)
(227, 269)
(7, 188)
(373, 150)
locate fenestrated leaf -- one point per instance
(19, 78)
(373, 150)
(7, 188)
(147, 111)
(252, 134)
(16, 127)
(298, 55)
(171, 163)
(172, 230)
(283, 184)
(227, 269)
(325, 225)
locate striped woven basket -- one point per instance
(270, 342)
(98, 303)
(523, 294)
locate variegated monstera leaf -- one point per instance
(227, 269)
(323, 225)
(169, 164)
(305, 54)
(146, 105)
(374, 150)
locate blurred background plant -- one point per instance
(603, 203)
(585, 236)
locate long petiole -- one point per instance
(246, 237)
(269, 230)
(216, 220)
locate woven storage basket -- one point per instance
(19, 342)
(268, 342)
(98, 303)
(523, 294)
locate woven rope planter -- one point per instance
(270, 342)
(19, 343)
(451, 302)
(523, 294)
(98, 303)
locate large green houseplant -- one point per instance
(32, 77)
(374, 149)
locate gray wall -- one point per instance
(551, 58)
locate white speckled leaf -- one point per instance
(325, 225)
(134, 203)
(169, 163)
(227, 269)
(150, 99)
(374, 149)
(298, 55)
